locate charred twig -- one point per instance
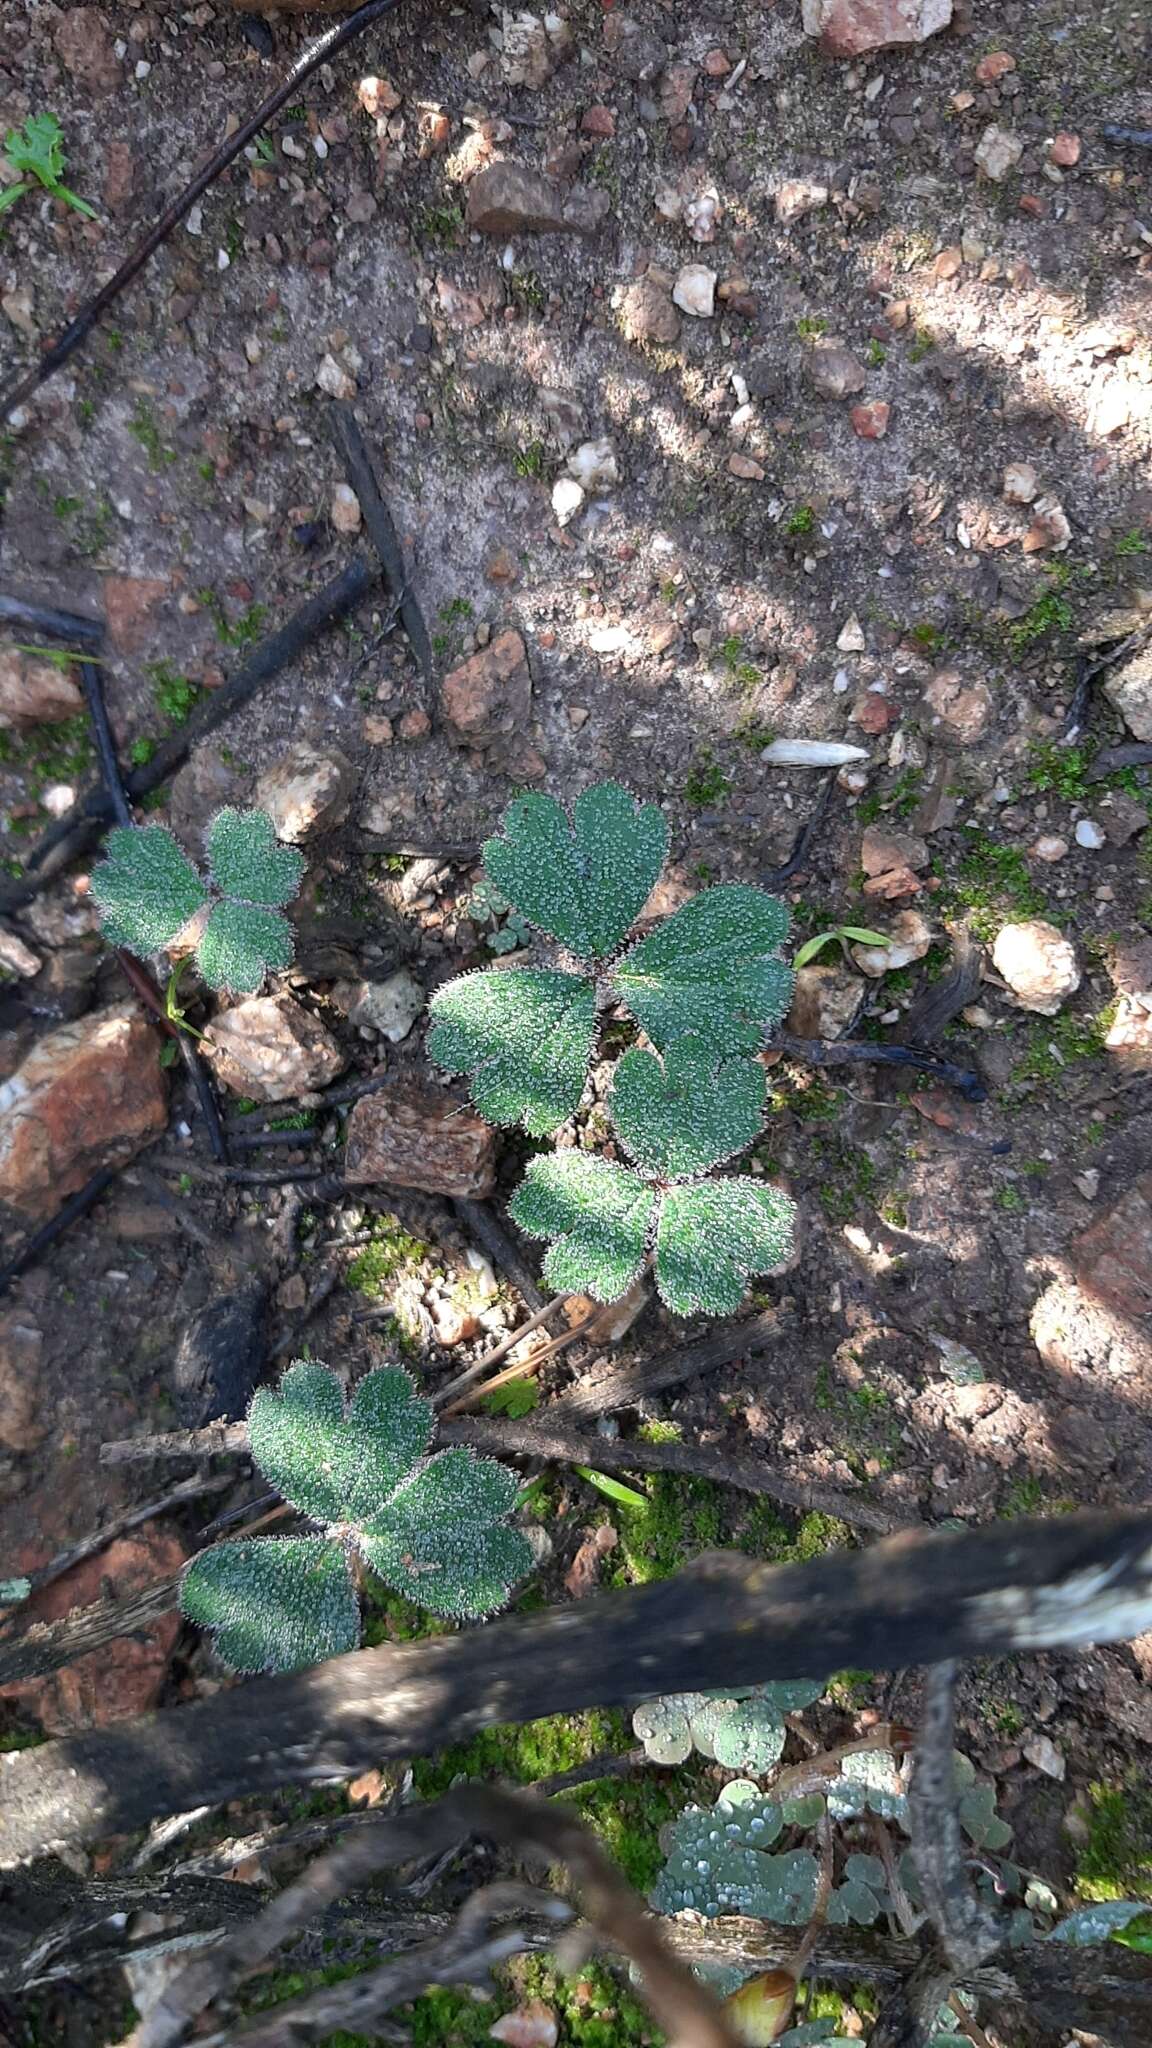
(844, 1052)
(913, 1599)
(42, 1239)
(1128, 138)
(1132, 754)
(55, 625)
(466, 1954)
(47, 1646)
(93, 684)
(187, 1490)
(143, 985)
(256, 1141)
(624, 1386)
(967, 1931)
(1086, 674)
(20, 389)
(322, 1100)
(943, 999)
(552, 1444)
(802, 846)
(73, 834)
(353, 451)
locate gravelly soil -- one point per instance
(687, 616)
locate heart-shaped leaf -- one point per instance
(146, 889)
(684, 1114)
(712, 1235)
(524, 1036)
(443, 1539)
(662, 1726)
(240, 943)
(247, 860)
(714, 967)
(599, 1215)
(338, 1467)
(583, 882)
(276, 1603)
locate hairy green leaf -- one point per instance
(239, 943)
(276, 1602)
(712, 1235)
(664, 1729)
(869, 1780)
(714, 967)
(1090, 1924)
(146, 889)
(525, 1037)
(338, 1467)
(443, 1540)
(247, 860)
(685, 1113)
(583, 882)
(599, 1215)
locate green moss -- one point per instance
(800, 521)
(592, 2011)
(1060, 1042)
(705, 782)
(50, 753)
(1116, 1861)
(996, 885)
(522, 1754)
(1051, 613)
(392, 1248)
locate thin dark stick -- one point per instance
(55, 625)
(72, 835)
(1128, 138)
(325, 47)
(93, 683)
(42, 1239)
(845, 1052)
(252, 1141)
(554, 1445)
(144, 986)
(353, 451)
(1086, 674)
(188, 1489)
(802, 846)
(967, 1930)
(329, 1098)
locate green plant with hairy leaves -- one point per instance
(149, 894)
(434, 1528)
(706, 986)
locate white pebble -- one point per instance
(1088, 833)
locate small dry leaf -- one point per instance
(583, 1574)
(368, 1789)
(530, 2026)
(761, 2009)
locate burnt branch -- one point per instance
(916, 1598)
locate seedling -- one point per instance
(150, 895)
(706, 986)
(435, 1529)
(858, 934)
(37, 152)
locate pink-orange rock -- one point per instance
(411, 1137)
(870, 420)
(86, 1096)
(1113, 1260)
(995, 66)
(1065, 149)
(489, 695)
(35, 692)
(129, 603)
(850, 28)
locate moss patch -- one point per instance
(1116, 1862)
